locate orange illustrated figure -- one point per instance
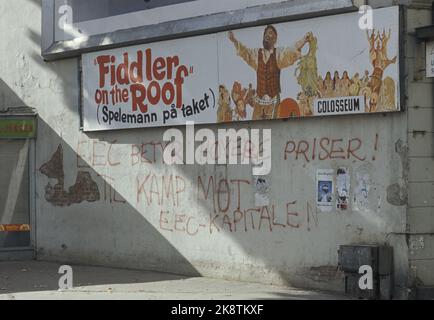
(268, 62)
(224, 111)
(380, 61)
(241, 98)
(328, 85)
(355, 86)
(345, 85)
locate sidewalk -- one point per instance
(39, 280)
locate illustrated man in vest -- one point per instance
(268, 62)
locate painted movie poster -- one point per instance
(303, 68)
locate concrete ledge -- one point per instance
(425, 33)
(425, 293)
(251, 16)
(17, 254)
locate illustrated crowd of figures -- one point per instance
(379, 93)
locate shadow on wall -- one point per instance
(89, 204)
(131, 252)
(89, 186)
(8, 98)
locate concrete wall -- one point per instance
(421, 155)
(113, 206)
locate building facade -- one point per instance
(106, 197)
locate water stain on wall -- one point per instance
(397, 192)
(84, 188)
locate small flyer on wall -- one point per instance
(324, 189)
(262, 192)
(342, 189)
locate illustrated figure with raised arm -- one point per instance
(268, 62)
(380, 61)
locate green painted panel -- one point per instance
(17, 128)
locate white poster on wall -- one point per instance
(262, 191)
(311, 67)
(324, 189)
(342, 189)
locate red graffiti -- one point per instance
(144, 69)
(327, 149)
(160, 190)
(260, 219)
(95, 153)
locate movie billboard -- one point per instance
(315, 67)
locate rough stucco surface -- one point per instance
(151, 216)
